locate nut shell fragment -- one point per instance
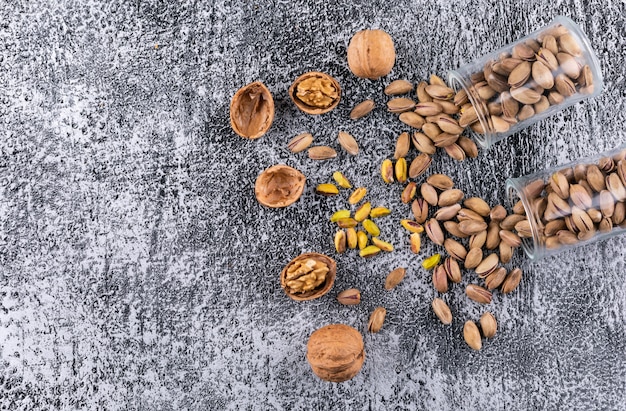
(322, 289)
(252, 110)
(279, 186)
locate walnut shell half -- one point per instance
(315, 92)
(279, 186)
(252, 110)
(335, 352)
(308, 276)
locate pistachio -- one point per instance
(488, 325)
(339, 214)
(412, 119)
(340, 241)
(442, 311)
(431, 262)
(351, 296)
(409, 192)
(595, 178)
(453, 271)
(477, 205)
(471, 335)
(369, 251)
(401, 170)
(510, 238)
(520, 74)
(400, 105)
(560, 185)
(468, 117)
(512, 281)
(422, 95)
(509, 222)
(493, 235)
(348, 143)
(377, 320)
(300, 142)
(549, 42)
(555, 98)
(473, 258)
(378, 212)
(542, 105)
(607, 203)
(472, 226)
(523, 51)
(362, 109)
(361, 239)
(496, 278)
(439, 91)
(321, 153)
(445, 139)
(394, 278)
(347, 222)
(434, 79)
(448, 212)
(448, 107)
(433, 231)
(449, 125)
(487, 265)
(428, 108)
(357, 195)
(341, 180)
(327, 189)
(581, 220)
(616, 187)
(564, 85)
(568, 44)
(351, 238)
(478, 240)
(478, 293)
(525, 95)
(429, 193)
(449, 197)
(386, 170)
(453, 228)
(605, 225)
(455, 249)
(371, 228)
(552, 227)
(431, 129)
(440, 181)
(542, 75)
(526, 112)
(419, 165)
(403, 144)
(523, 229)
(416, 243)
(398, 87)
(506, 252)
(497, 213)
(423, 143)
(619, 215)
(579, 196)
(440, 279)
(460, 98)
(419, 207)
(363, 211)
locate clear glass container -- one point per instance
(528, 80)
(571, 205)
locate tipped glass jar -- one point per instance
(567, 206)
(527, 81)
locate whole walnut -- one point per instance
(335, 352)
(371, 54)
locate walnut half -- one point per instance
(308, 276)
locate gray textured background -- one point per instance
(137, 270)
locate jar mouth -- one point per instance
(530, 245)
(456, 81)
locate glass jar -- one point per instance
(571, 205)
(527, 81)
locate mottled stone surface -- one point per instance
(137, 270)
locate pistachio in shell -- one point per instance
(319, 291)
(279, 186)
(252, 110)
(371, 54)
(315, 92)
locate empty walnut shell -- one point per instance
(317, 292)
(335, 352)
(315, 92)
(279, 186)
(252, 110)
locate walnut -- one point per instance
(279, 186)
(252, 110)
(308, 276)
(335, 352)
(371, 54)
(315, 92)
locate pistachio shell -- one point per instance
(525, 95)
(569, 65)
(542, 75)
(568, 44)
(520, 74)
